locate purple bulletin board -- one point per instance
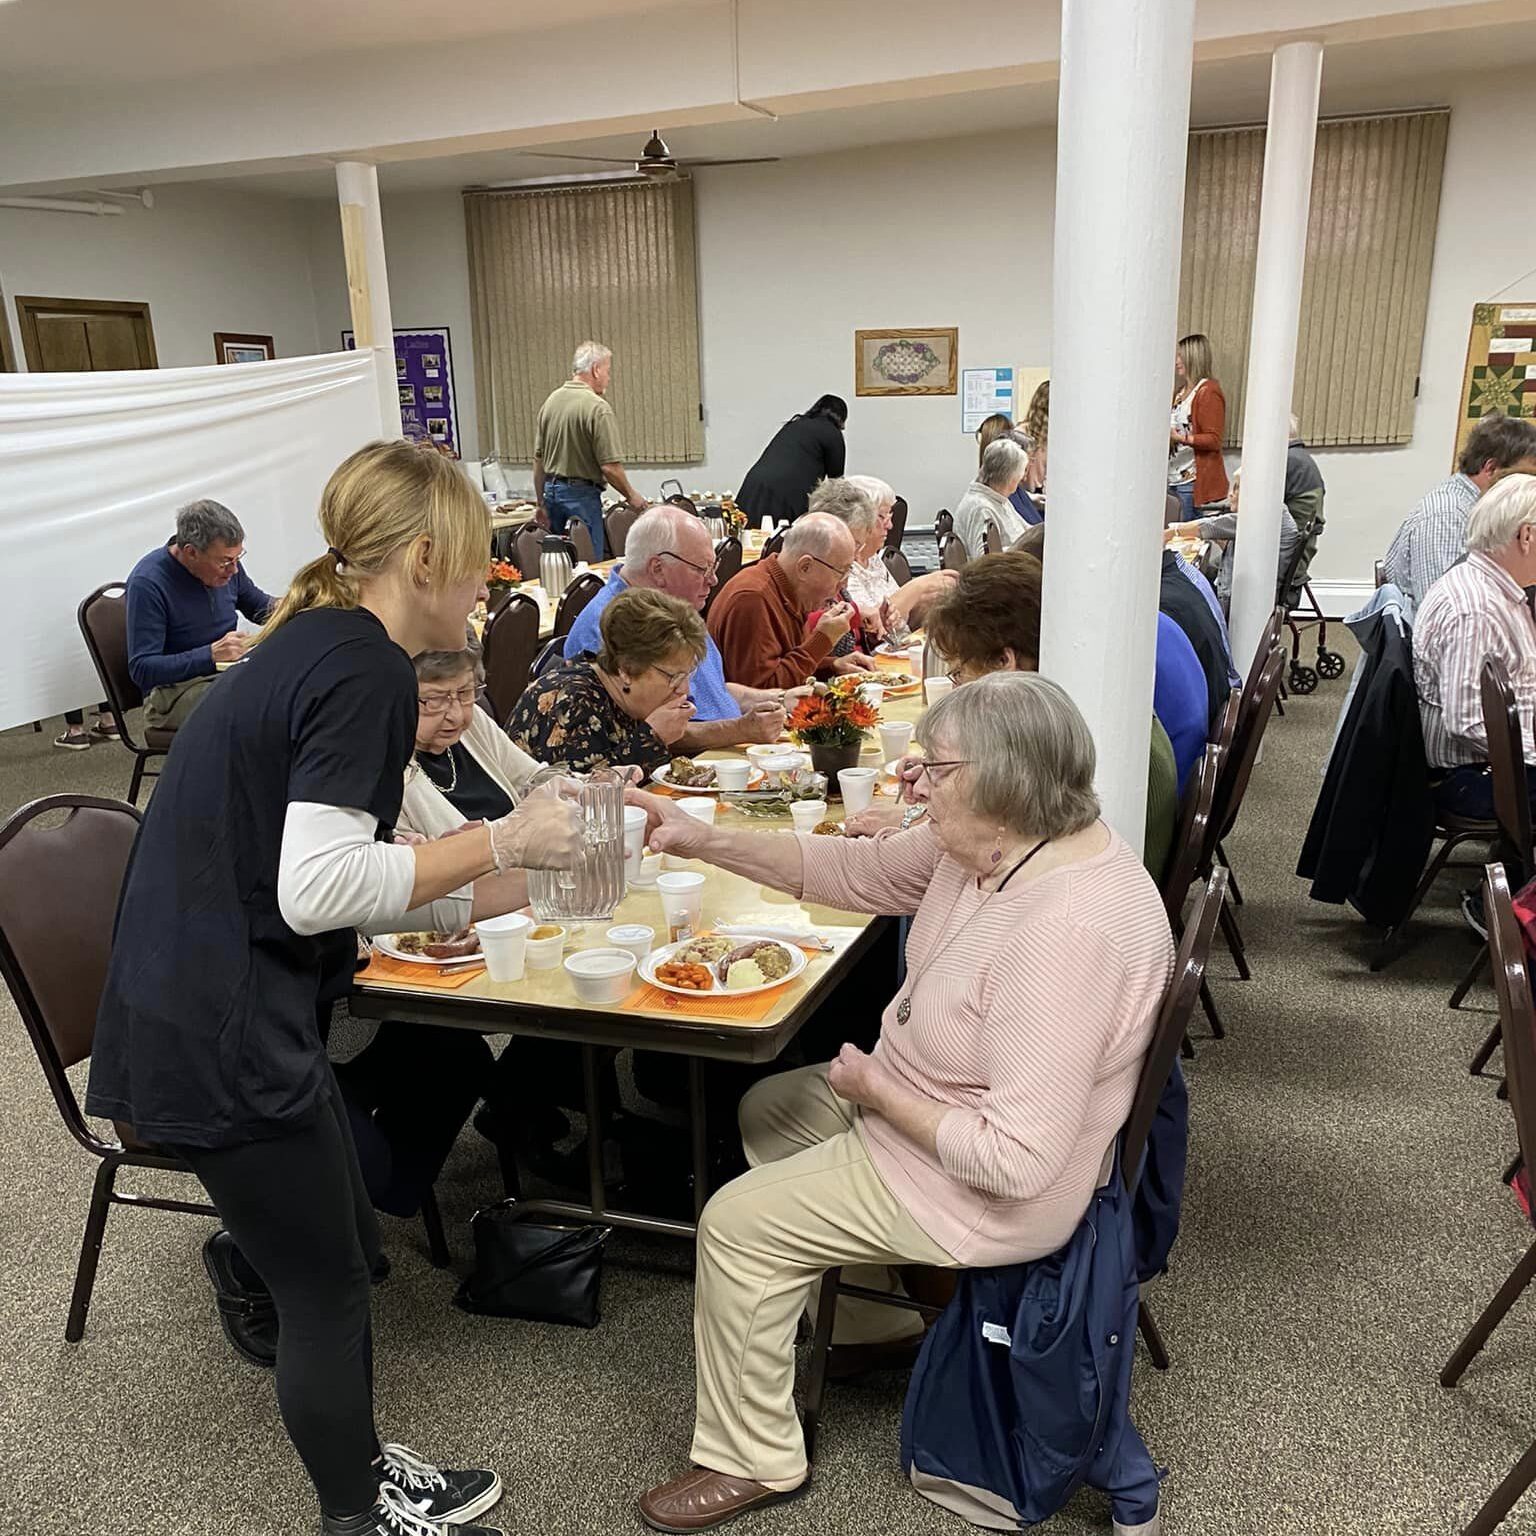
(424, 372)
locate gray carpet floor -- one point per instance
(1344, 1222)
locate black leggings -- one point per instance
(297, 1208)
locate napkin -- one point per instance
(802, 938)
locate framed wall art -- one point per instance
(1500, 378)
(236, 347)
(906, 362)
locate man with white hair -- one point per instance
(668, 548)
(759, 620)
(986, 501)
(576, 448)
(1476, 610)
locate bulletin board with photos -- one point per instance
(424, 372)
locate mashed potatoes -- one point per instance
(743, 974)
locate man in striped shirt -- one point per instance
(1476, 610)
(1433, 538)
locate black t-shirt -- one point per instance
(475, 795)
(206, 1035)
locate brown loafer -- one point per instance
(700, 1499)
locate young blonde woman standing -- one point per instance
(1197, 474)
(267, 843)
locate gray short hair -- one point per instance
(847, 502)
(815, 534)
(202, 524)
(588, 355)
(1031, 753)
(1504, 439)
(1002, 461)
(439, 666)
(654, 533)
(877, 490)
(1501, 512)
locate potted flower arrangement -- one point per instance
(734, 518)
(501, 576)
(831, 724)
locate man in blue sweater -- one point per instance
(183, 600)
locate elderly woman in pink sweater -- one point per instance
(977, 1130)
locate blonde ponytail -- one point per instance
(378, 501)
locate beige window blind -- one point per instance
(549, 269)
(1370, 239)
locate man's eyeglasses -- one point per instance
(229, 562)
(711, 570)
(439, 703)
(841, 572)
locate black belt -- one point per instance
(573, 480)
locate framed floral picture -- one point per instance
(907, 362)
(234, 347)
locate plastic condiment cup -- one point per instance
(634, 842)
(702, 808)
(858, 787)
(895, 739)
(732, 772)
(872, 694)
(682, 903)
(544, 954)
(934, 688)
(503, 941)
(637, 938)
(601, 975)
(807, 814)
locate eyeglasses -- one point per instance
(676, 681)
(230, 562)
(711, 570)
(439, 703)
(841, 572)
(929, 764)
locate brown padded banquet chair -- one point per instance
(59, 884)
(103, 619)
(577, 595)
(509, 644)
(1517, 1020)
(1168, 1030)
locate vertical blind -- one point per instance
(1370, 239)
(549, 269)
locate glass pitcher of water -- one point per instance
(596, 885)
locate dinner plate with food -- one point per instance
(897, 684)
(461, 948)
(711, 962)
(697, 776)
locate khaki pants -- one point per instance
(168, 707)
(811, 1200)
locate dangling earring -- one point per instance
(623, 685)
(997, 853)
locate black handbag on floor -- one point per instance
(530, 1270)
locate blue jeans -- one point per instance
(565, 499)
(1185, 491)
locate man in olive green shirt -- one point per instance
(576, 448)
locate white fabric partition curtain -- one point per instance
(94, 465)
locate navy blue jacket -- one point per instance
(1022, 1390)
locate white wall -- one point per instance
(203, 258)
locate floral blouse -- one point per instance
(567, 717)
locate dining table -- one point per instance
(706, 1028)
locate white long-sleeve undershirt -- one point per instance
(333, 873)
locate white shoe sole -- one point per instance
(1152, 1527)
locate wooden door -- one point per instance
(85, 335)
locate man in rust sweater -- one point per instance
(759, 619)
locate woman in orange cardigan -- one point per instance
(1196, 472)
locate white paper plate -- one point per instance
(663, 775)
(388, 944)
(660, 956)
(895, 690)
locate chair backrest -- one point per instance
(528, 543)
(577, 595)
(1253, 715)
(1173, 510)
(687, 502)
(727, 565)
(581, 540)
(1506, 759)
(953, 555)
(1190, 840)
(1172, 1023)
(773, 543)
(1226, 727)
(617, 525)
(897, 564)
(1381, 573)
(943, 522)
(59, 887)
(103, 619)
(893, 534)
(1267, 642)
(1517, 1018)
(509, 644)
(991, 541)
(550, 656)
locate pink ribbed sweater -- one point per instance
(1031, 1011)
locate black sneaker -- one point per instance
(245, 1304)
(1472, 910)
(453, 1498)
(396, 1515)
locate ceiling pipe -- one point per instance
(59, 205)
(751, 106)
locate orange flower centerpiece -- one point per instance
(831, 723)
(501, 576)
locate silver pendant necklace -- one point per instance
(453, 772)
(904, 1007)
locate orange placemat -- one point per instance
(718, 1005)
(387, 969)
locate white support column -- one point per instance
(1295, 79)
(362, 235)
(1123, 128)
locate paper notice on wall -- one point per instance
(985, 392)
